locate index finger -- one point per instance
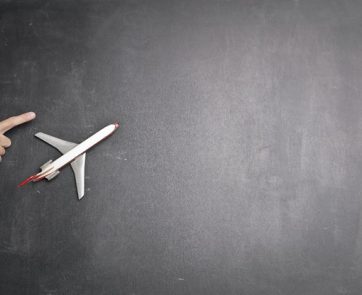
(11, 122)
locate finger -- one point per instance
(11, 122)
(2, 151)
(5, 141)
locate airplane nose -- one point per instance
(116, 124)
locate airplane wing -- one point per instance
(78, 165)
(60, 144)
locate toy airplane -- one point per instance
(73, 154)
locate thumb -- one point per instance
(11, 122)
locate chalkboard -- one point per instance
(237, 166)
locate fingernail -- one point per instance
(31, 115)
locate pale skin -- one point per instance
(10, 123)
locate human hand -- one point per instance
(10, 123)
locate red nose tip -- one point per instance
(116, 124)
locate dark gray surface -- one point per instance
(237, 166)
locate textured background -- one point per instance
(237, 166)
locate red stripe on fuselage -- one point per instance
(31, 178)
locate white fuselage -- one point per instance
(78, 150)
